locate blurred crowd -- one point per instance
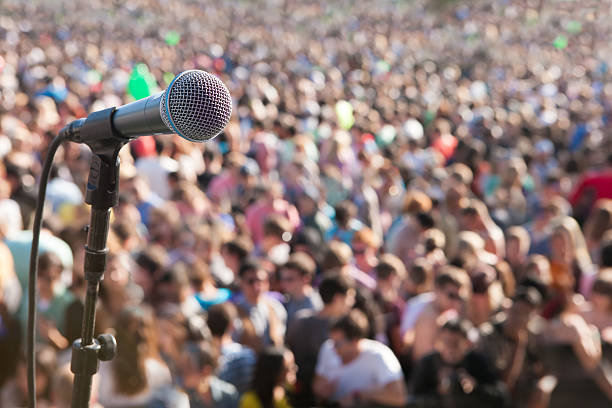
(410, 206)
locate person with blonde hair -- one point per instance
(570, 263)
(475, 217)
(365, 246)
(518, 242)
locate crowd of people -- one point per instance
(410, 206)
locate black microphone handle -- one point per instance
(141, 117)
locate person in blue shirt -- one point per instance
(236, 361)
(344, 224)
(206, 293)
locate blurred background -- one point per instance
(410, 206)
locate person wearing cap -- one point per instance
(508, 339)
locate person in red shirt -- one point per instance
(591, 188)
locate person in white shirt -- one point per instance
(352, 370)
(154, 164)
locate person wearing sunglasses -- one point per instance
(452, 291)
(263, 318)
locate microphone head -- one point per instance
(196, 105)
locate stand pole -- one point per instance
(86, 351)
(102, 195)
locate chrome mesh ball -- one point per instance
(196, 105)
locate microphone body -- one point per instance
(141, 117)
(196, 106)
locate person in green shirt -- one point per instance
(53, 300)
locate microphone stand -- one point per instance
(102, 194)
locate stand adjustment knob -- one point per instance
(108, 347)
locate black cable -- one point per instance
(40, 205)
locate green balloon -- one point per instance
(172, 38)
(141, 83)
(573, 27)
(560, 42)
(344, 112)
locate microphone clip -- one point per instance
(97, 132)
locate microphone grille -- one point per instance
(196, 105)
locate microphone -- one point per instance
(196, 106)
